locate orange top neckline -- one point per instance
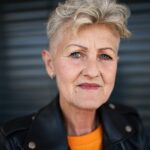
(91, 139)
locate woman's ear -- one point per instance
(48, 61)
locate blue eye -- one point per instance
(75, 55)
(105, 57)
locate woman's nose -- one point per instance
(91, 68)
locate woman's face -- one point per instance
(85, 66)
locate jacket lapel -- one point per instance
(114, 125)
(47, 131)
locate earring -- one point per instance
(52, 76)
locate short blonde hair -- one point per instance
(83, 12)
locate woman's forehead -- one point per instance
(101, 33)
(91, 32)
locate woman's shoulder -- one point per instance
(17, 124)
(125, 122)
(121, 115)
(14, 128)
(122, 108)
(17, 131)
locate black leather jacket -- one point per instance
(44, 130)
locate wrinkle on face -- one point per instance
(93, 39)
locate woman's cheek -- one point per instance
(75, 61)
(109, 70)
(109, 65)
(67, 66)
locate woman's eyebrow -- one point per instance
(107, 48)
(83, 47)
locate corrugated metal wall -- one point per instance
(24, 84)
(133, 82)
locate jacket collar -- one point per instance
(114, 125)
(48, 131)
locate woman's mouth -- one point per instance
(89, 86)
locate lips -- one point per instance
(89, 86)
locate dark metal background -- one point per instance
(24, 85)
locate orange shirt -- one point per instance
(91, 141)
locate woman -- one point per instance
(84, 38)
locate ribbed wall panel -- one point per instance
(133, 80)
(24, 85)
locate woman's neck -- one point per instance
(78, 121)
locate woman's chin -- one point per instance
(90, 103)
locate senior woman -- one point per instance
(84, 38)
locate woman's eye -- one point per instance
(105, 57)
(75, 55)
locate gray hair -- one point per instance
(83, 12)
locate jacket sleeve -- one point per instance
(148, 142)
(2, 141)
(138, 139)
(5, 143)
(144, 141)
